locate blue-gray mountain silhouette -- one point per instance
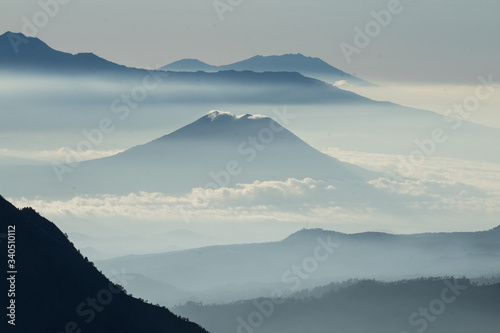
(256, 148)
(307, 66)
(33, 56)
(260, 267)
(356, 123)
(363, 306)
(30, 55)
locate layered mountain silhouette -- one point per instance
(29, 55)
(436, 305)
(253, 270)
(218, 150)
(307, 66)
(58, 290)
(248, 87)
(352, 122)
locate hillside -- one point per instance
(53, 276)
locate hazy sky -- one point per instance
(425, 41)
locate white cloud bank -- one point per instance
(446, 194)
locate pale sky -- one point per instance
(445, 41)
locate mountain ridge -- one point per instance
(368, 255)
(35, 57)
(307, 66)
(54, 276)
(360, 306)
(31, 54)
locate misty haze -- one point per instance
(250, 167)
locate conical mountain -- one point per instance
(218, 150)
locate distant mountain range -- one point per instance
(347, 121)
(98, 248)
(437, 305)
(254, 270)
(58, 290)
(218, 150)
(29, 55)
(307, 66)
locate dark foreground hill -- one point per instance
(424, 305)
(57, 290)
